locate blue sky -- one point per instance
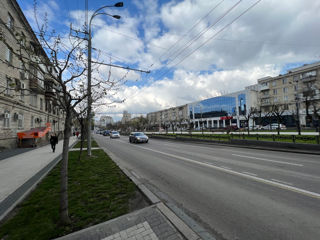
(190, 46)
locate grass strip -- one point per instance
(98, 191)
(93, 144)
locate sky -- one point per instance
(194, 49)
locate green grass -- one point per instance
(98, 191)
(261, 137)
(93, 144)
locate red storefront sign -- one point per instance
(226, 118)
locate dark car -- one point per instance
(106, 133)
(137, 137)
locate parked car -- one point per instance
(136, 137)
(114, 134)
(106, 133)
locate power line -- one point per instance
(194, 25)
(188, 44)
(202, 33)
(117, 66)
(235, 19)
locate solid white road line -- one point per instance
(268, 160)
(280, 181)
(224, 167)
(249, 173)
(257, 179)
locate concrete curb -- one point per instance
(212, 142)
(11, 201)
(178, 223)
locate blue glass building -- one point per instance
(222, 111)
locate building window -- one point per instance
(33, 100)
(309, 74)
(296, 88)
(10, 22)
(285, 90)
(285, 98)
(41, 104)
(285, 81)
(22, 93)
(9, 86)
(32, 121)
(20, 121)
(6, 120)
(9, 56)
(274, 83)
(296, 78)
(275, 91)
(275, 99)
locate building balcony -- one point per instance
(263, 87)
(36, 86)
(309, 78)
(50, 94)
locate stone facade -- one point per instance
(25, 102)
(296, 89)
(177, 116)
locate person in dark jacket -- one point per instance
(53, 141)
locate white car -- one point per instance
(114, 134)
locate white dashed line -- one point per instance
(257, 179)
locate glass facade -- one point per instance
(218, 107)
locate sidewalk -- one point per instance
(147, 223)
(20, 173)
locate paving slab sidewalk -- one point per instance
(146, 224)
(20, 173)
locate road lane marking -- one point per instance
(224, 167)
(257, 179)
(268, 160)
(249, 173)
(287, 183)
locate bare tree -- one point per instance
(59, 63)
(248, 116)
(277, 111)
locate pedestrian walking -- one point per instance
(77, 134)
(53, 141)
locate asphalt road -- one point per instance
(236, 193)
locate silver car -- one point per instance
(114, 134)
(138, 137)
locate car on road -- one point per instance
(114, 134)
(138, 137)
(106, 133)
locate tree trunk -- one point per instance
(64, 216)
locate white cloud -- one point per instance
(269, 36)
(186, 87)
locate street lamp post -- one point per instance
(96, 13)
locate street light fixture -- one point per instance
(96, 13)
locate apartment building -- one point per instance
(126, 117)
(175, 116)
(296, 92)
(27, 96)
(105, 120)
